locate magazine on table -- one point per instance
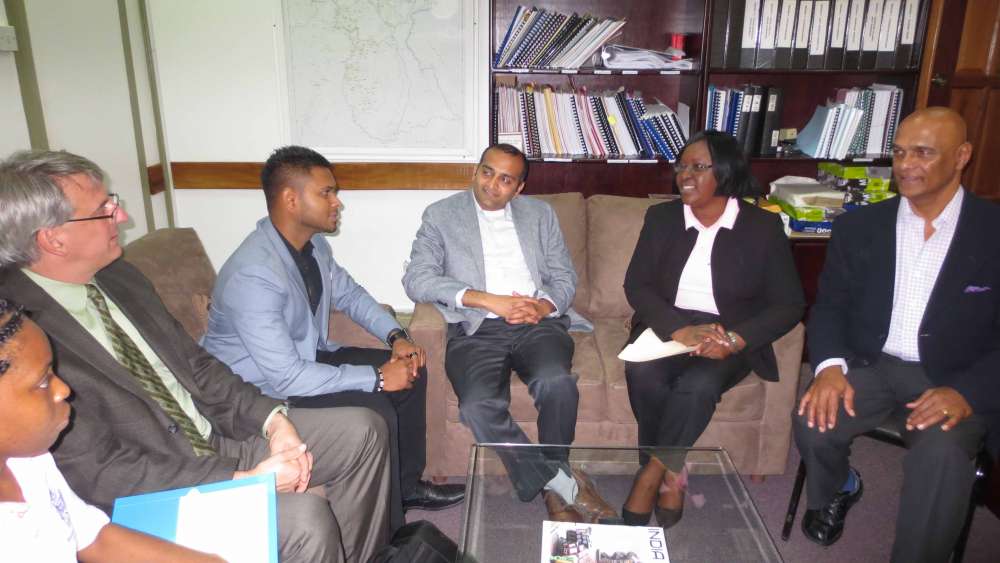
(573, 542)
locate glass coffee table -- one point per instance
(720, 521)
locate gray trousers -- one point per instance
(351, 463)
(938, 470)
(479, 368)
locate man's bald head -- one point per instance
(928, 156)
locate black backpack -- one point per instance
(418, 542)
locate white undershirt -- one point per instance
(506, 270)
(53, 524)
(918, 263)
(694, 291)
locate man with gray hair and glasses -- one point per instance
(152, 409)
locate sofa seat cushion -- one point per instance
(590, 383)
(745, 401)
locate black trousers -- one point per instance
(673, 399)
(938, 470)
(479, 368)
(405, 413)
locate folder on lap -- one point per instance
(235, 519)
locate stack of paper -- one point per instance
(861, 123)
(648, 347)
(620, 56)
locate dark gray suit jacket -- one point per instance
(119, 441)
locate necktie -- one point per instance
(135, 362)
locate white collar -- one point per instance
(726, 220)
(947, 216)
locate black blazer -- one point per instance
(754, 281)
(959, 336)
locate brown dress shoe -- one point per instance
(590, 504)
(559, 510)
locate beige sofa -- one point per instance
(753, 421)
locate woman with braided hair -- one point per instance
(41, 519)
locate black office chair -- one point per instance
(891, 433)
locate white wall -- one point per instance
(80, 64)
(373, 242)
(14, 131)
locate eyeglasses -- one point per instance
(111, 205)
(696, 168)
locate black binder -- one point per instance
(720, 33)
(852, 39)
(753, 124)
(751, 33)
(888, 39)
(819, 32)
(734, 33)
(918, 42)
(803, 24)
(870, 34)
(908, 26)
(785, 35)
(838, 35)
(768, 34)
(772, 122)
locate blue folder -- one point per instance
(156, 513)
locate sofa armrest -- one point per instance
(429, 331)
(779, 402)
(349, 333)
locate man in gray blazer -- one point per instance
(497, 268)
(269, 322)
(151, 409)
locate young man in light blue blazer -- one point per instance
(269, 321)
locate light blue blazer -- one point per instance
(261, 326)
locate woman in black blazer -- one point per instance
(709, 271)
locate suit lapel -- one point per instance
(468, 231)
(291, 270)
(962, 261)
(64, 330)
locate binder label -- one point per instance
(750, 24)
(768, 24)
(873, 22)
(786, 24)
(817, 37)
(802, 29)
(890, 25)
(755, 103)
(772, 103)
(855, 24)
(910, 13)
(839, 24)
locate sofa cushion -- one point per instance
(175, 262)
(590, 383)
(571, 210)
(613, 229)
(744, 402)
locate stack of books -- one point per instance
(751, 113)
(861, 123)
(818, 34)
(538, 38)
(546, 122)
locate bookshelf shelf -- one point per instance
(698, 24)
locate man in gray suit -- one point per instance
(151, 409)
(497, 268)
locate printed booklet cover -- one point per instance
(572, 542)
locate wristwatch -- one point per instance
(395, 334)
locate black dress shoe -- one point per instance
(428, 496)
(825, 525)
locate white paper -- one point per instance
(232, 523)
(649, 347)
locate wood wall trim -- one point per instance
(350, 175)
(154, 174)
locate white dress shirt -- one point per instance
(918, 263)
(506, 270)
(694, 291)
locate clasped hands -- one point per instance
(709, 340)
(515, 309)
(821, 402)
(290, 460)
(402, 369)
